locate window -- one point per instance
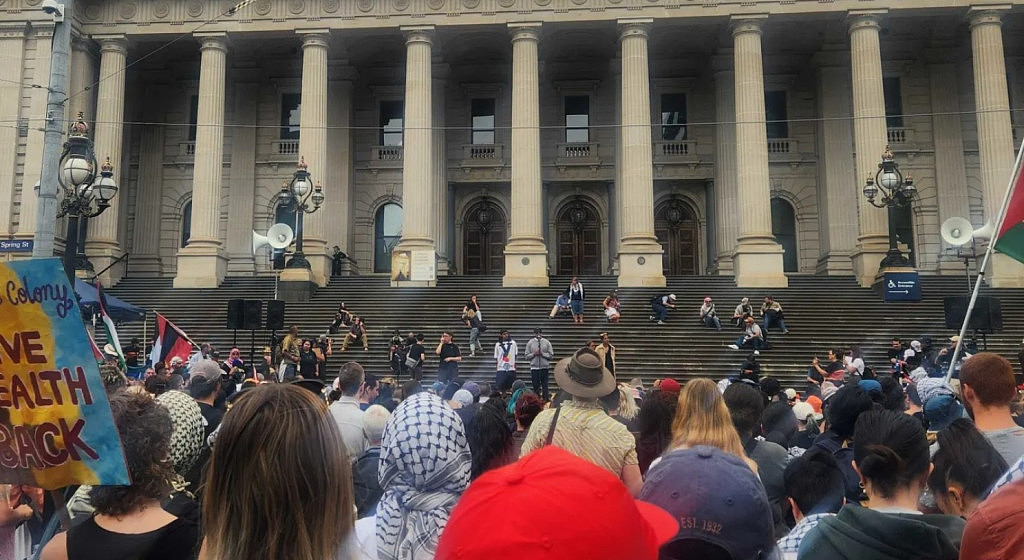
(893, 102)
(775, 114)
(186, 224)
(291, 103)
(193, 117)
(577, 118)
(673, 116)
(392, 123)
(784, 230)
(387, 231)
(483, 120)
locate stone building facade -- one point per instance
(525, 138)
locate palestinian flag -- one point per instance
(1010, 239)
(108, 325)
(96, 352)
(170, 341)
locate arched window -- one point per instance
(387, 231)
(784, 230)
(186, 223)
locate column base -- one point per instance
(414, 263)
(444, 266)
(723, 264)
(866, 261)
(201, 266)
(1004, 272)
(526, 264)
(835, 264)
(241, 264)
(641, 266)
(758, 264)
(296, 285)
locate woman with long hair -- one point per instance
(280, 480)
(703, 419)
(654, 426)
(490, 438)
(890, 454)
(964, 468)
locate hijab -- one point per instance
(425, 467)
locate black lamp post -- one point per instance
(296, 196)
(86, 194)
(896, 192)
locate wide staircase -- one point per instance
(821, 312)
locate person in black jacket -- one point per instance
(364, 470)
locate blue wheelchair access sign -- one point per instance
(902, 286)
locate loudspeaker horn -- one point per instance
(278, 236)
(957, 231)
(984, 232)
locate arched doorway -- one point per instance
(675, 224)
(579, 239)
(483, 239)
(186, 224)
(784, 230)
(387, 231)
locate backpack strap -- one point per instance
(551, 430)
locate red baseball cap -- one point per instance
(670, 386)
(553, 505)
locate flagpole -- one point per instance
(984, 263)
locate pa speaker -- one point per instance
(253, 315)
(236, 314)
(275, 315)
(986, 317)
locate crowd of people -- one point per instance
(230, 462)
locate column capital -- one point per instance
(112, 43)
(747, 23)
(987, 15)
(525, 31)
(314, 37)
(217, 40)
(634, 27)
(865, 19)
(418, 33)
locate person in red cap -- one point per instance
(670, 386)
(587, 514)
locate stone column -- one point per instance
(242, 179)
(948, 136)
(418, 151)
(82, 75)
(203, 263)
(757, 261)
(727, 223)
(339, 174)
(869, 137)
(145, 259)
(440, 175)
(526, 253)
(838, 187)
(640, 254)
(26, 212)
(995, 133)
(103, 245)
(12, 55)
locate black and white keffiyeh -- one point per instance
(186, 435)
(424, 469)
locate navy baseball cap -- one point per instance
(716, 498)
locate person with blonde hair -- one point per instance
(280, 481)
(703, 419)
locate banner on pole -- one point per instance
(56, 428)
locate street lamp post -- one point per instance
(86, 193)
(896, 192)
(296, 196)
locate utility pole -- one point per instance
(56, 100)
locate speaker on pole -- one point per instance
(253, 315)
(236, 314)
(275, 315)
(987, 316)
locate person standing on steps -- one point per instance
(771, 314)
(607, 352)
(540, 353)
(417, 355)
(476, 326)
(576, 297)
(505, 351)
(289, 354)
(449, 357)
(708, 315)
(471, 308)
(357, 332)
(660, 306)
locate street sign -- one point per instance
(16, 245)
(902, 286)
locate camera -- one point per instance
(52, 8)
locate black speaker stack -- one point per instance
(987, 316)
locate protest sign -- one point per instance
(56, 428)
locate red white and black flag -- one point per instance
(170, 342)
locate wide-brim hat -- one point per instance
(584, 375)
(109, 350)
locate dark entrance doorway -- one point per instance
(784, 230)
(675, 224)
(579, 239)
(484, 233)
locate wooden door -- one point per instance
(579, 239)
(483, 246)
(675, 225)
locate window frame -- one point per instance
(474, 130)
(383, 131)
(666, 126)
(565, 118)
(285, 127)
(777, 128)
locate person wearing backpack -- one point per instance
(660, 306)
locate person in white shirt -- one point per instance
(505, 351)
(709, 316)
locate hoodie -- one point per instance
(858, 533)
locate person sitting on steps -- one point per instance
(771, 313)
(708, 315)
(612, 309)
(660, 306)
(742, 311)
(561, 305)
(751, 337)
(356, 332)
